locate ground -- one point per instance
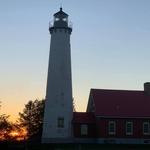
(38, 146)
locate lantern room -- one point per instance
(61, 19)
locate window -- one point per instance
(112, 127)
(129, 128)
(64, 19)
(60, 122)
(146, 128)
(84, 129)
(56, 19)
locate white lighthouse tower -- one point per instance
(58, 105)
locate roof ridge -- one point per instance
(116, 90)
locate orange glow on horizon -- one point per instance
(15, 134)
(19, 135)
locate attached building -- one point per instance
(115, 116)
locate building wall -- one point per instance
(91, 131)
(102, 128)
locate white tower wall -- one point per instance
(58, 105)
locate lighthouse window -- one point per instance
(60, 122)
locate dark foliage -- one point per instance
(32, 118)
(5, 128)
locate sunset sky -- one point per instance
(110, 46)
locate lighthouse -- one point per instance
(58, 104)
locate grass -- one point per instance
(38, 146)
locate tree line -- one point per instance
(27, 127)
(29, 124)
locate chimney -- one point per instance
(147, 88)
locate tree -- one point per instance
(32, 118)
(10, 131)
(5, 128)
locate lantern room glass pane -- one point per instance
(57, 19)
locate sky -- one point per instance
(110, 48)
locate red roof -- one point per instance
(121, 103)
(83, 117)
